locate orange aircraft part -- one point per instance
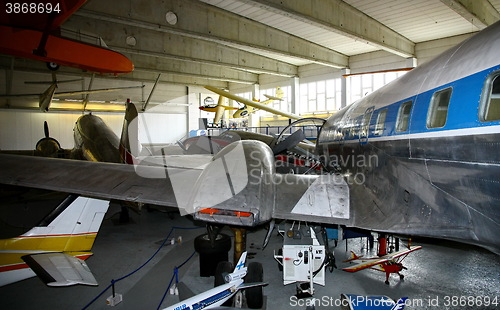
(22, 42)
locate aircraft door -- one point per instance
(364, 126)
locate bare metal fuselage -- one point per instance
(438, 182)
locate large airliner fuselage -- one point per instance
(422, 154)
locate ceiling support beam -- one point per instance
(150, 42)
(201, 21)
(341, 18)
(479, 13)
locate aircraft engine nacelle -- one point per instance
(240, 187)
(47, 147)
(235, 276)
(237, 187)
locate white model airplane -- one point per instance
(55, 250)
(215, 297)
(358, 302)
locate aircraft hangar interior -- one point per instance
(253, 154)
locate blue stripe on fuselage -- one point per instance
(212, 299)
(463, 109)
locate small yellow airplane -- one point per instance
(250, 106)
(218, 108)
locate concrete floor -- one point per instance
(437, 275)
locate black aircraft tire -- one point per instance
(255, 273)
(222, 244)
(52, 66)
(222, 267)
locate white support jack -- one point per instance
(302, 259)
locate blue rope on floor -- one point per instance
(139, 268)
(175, 275)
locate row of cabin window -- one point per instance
(438, 109)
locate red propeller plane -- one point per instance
(31, 30)
(390, 263)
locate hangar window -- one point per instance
(490, 109)
(380, 125)
(403, 117)
(438, 109)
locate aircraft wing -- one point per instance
(219, 112)
(69, 93)
(251, 103)
(404, 252)
(103, 180)
(370, 262)
(366, 264)
(93, 91)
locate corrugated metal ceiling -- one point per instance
(416, 20)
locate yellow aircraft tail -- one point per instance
(353, 257)
(55, 249)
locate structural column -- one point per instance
(343, 86)
(295, 100)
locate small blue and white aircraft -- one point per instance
(358, 302)
(215, 297)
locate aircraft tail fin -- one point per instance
(77, 219)
(353, 257)
(129, 141)
(241, 262)
(58, 245)
(400, 304)
(239, 271)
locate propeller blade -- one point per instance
(46, 129)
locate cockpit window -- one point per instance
(490, 110)
(403, 117)
(438, 109)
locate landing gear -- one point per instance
(52, 66)
(211, 251)
(255, 273)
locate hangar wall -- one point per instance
(21, 130)
(177, 106)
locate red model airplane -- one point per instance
(390, 263)
(31, 30)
